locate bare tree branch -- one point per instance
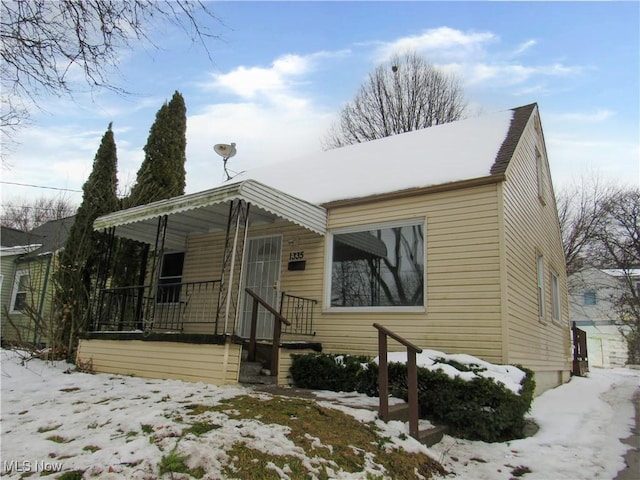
(47, 45)
(406, 94)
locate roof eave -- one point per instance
(411, 192)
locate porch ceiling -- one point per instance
(208, 211)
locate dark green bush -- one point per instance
(479, 409)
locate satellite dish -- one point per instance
(225, 150)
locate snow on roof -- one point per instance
(451, 152)
(620, 272)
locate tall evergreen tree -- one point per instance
(79, 259)
(162, 173)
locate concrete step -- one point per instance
(399, 412)
(431, 436)
(254, 373)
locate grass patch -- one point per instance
(72, 475)
(49, 429)
(91, 448)
(70, 389)
(200, 428)
(348, 441)
(146, 429)
(173, 463)
(247, 463)
(58, 439)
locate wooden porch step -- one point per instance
(428, 436)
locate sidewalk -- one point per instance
(632, 458)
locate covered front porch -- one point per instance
(210, 273)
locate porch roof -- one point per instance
(208, 211)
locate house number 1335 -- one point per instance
(296, 255)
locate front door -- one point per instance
(262, 275)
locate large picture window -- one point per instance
(378, 267)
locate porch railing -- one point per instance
(277, 329)
(383, 377)
(167, 307)
(580, 355)
(299, 311)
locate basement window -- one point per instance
(378, 266)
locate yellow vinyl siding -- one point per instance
(216, 364)
(531, 227)
(462, 306)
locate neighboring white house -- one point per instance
(591, 306)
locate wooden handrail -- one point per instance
(397, 338)
(264, 303)
(412, 377)
(277, 327)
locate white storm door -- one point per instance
(262, 275)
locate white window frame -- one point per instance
(15, 292)
(540, 280)
(365, 227)
(556, 305)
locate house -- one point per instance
(593, 294)
(28, 266)
(447, 236)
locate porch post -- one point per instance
(238, 218)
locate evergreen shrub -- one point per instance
(480, 409)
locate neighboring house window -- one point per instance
(169, 282)
(540, 175)
(540, 268)
(378, 266)
(20, 291)
(590, 297)
(555, 297)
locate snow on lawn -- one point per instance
(103, 424)
(581, 425)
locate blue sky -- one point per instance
(281, 72)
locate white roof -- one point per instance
(445, 153)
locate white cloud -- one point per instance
(585, 117)
(523, 47)
(263, 134)
(476, 57)
(439, 42)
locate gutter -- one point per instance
(411, 192)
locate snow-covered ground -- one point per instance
(98, 418)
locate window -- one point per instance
(540, 267)
(381, 266)
(20, 291)
(169, 282)
(555, 297)
(589, 297)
